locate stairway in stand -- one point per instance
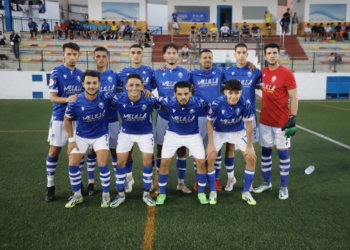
(161, 40)
(291, 45)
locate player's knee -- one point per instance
(147, 162)
(211, 159)
(200, 165)
(54, 151)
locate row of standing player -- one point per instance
(204, 80)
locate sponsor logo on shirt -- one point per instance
(208, 82)
(228, 122)
(94, 117)
(134, 117)
(183, 119)
(268, 88)
(72, 89)
(107, 88)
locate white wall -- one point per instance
(52, 12)
(236, 8)
(95, 8)
(155, 19)
(219, 56)
(19, 85)
(303, 8)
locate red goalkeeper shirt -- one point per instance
(275, 86)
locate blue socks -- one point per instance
(181, 168)
(51, 164)
(120, 179)
(248, 179)
(266, 164)
(284, 166)
(105, 178)
(91, 163)
(202, 180)
(230, 163)
(75, 178)
(211, 180)
(217, 165)
(147, 177)
(128, 167)
(162, 181)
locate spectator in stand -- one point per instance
(213, 32)
(56, 30)
(337, 31)
(149, 37)
(15, 42)
(268, 20)
(321, 31)
(331, 61)
(348, 31)
(328, 32)
(45, 29)
(285, 21)
(333, 30)
(78, 29)
(2, 39)
(185, 51)
(86, 27)
(100, 36)
(315, 32)
(93, 29)
(135, 28)
(295, 22)
(245, 31)
(255, 32)
(236, 32)
(107, 31)
(337, 58)
(193, 33)
(71, 29)
(140, 38)
(33, 28)
(203, 32)
(224, 30)
(101, 27)
(64, 28)
(342, 29)
(307, 32)
(127, 30)
(114, 30)
(193, 55)
(121, 29)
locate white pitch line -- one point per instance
(322, 136)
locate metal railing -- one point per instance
(156, 30)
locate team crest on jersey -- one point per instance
(191, 111)
(163, 74)
(223, 111)
(233, 73)
(213, 72)
(249, 74)
(110, 79)
(273, 78)
(174, 110)
(82, 108)
(237, 111)
(78, 78)
(180, 75)
(52, 81)
(144, 72)
(144, 107)
(124, 105)
(101, 105)
(210, 111)
(65, 76)
(127, 74)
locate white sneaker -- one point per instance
(213, 199)
(283, 194)
(128, 185)
(74, 200)
(263, 187)
(246, 196)
(106, 199)
(119, 200)
(182, 187)
(231, 181)
(149, 201)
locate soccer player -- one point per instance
(277, 121)
(175, 23)
(149, 84)
(108, 83)
(183, 110)
(230, 120)
(166, 80)
(250, 80)
(207, 84)
(90, 109)
(135, 111)
(65, 84)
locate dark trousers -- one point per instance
(35, 31)
(60, 33)
(2, 42)
(127, 33)
(15, 49)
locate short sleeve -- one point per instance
(53, 83)
(290, 82)
(248, 111)
(69, 110)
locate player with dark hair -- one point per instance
(230, 121)
(65, 83)
(277, 121)
(166, 80)
(108, 83)
(135, 111)
(183, 110)
(90, 109)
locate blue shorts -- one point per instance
(285, 24)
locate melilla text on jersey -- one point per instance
(94, 117)
(229, 122)
(168, 84)
(183, 119)
(246, 83)
(208, 82)
(134, 117)
(268, 88)
(107, 88)
(72, 89)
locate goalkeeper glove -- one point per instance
(290, 126)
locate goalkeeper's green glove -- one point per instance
(290, 126)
